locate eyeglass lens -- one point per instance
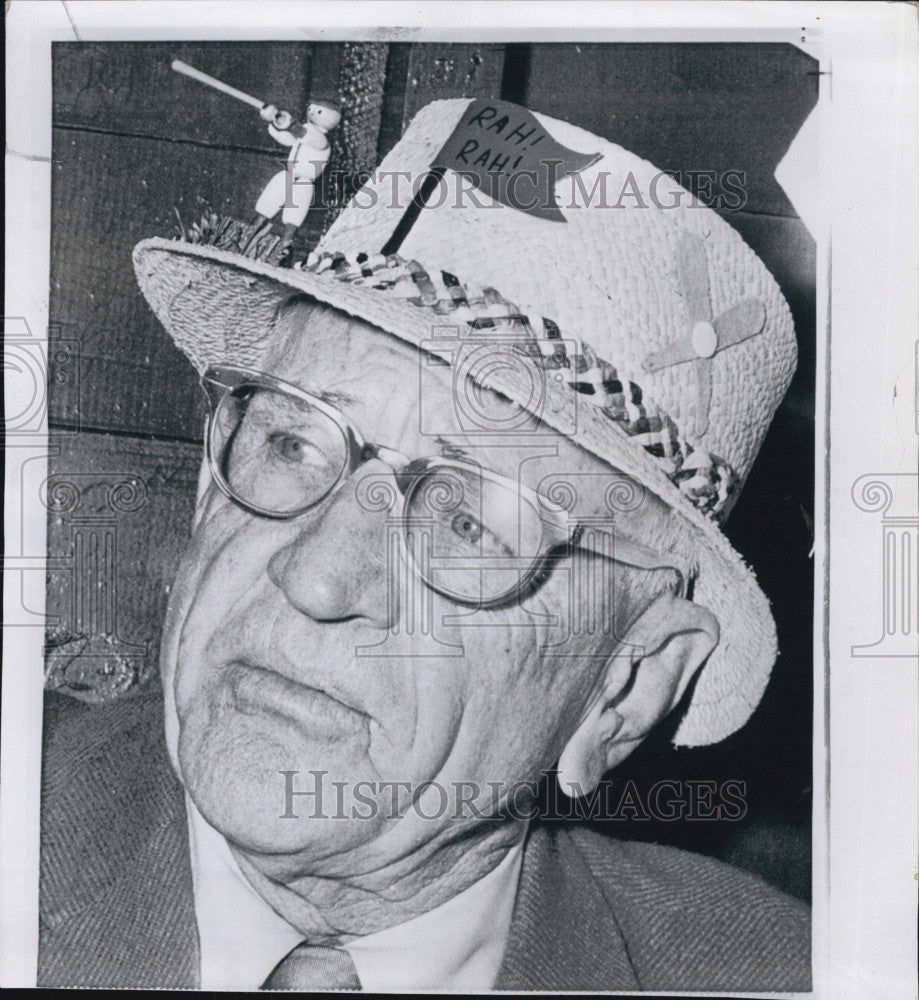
(471, 538)
(276, 452)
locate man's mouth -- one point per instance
(257, 691)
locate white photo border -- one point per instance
(866, 719)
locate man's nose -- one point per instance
(338, 566)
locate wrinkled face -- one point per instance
(305, 645)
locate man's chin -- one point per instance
(274, 795)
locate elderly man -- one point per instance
(458, 525)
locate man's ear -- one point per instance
(641, 684)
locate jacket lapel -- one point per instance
(564, 935)
(117, 903)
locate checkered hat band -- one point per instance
(704, 479)
(708, 482)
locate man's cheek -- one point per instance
(195, 609)
(182, 596)
(223, 563)
(206, 541)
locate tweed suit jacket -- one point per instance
(591, 913)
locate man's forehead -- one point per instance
(388, 387)
(369, 371)
(370, 375)
(321, 348)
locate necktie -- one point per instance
(309, 967)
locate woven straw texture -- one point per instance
(611, 275)
(623, 279)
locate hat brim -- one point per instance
(219, 308)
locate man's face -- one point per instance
(304, 645)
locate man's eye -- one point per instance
(289, 447)
(466, 528)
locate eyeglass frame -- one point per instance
(359, 451)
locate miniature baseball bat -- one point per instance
(210, 81)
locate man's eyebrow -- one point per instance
(451, 450)
(334, 397)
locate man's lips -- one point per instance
(257, 690)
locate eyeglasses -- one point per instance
(473, 536)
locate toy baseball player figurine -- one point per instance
(291, 190)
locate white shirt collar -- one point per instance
(456, 947)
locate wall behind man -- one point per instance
(139, 150)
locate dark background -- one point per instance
(135, 143)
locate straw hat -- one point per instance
(661, 342)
